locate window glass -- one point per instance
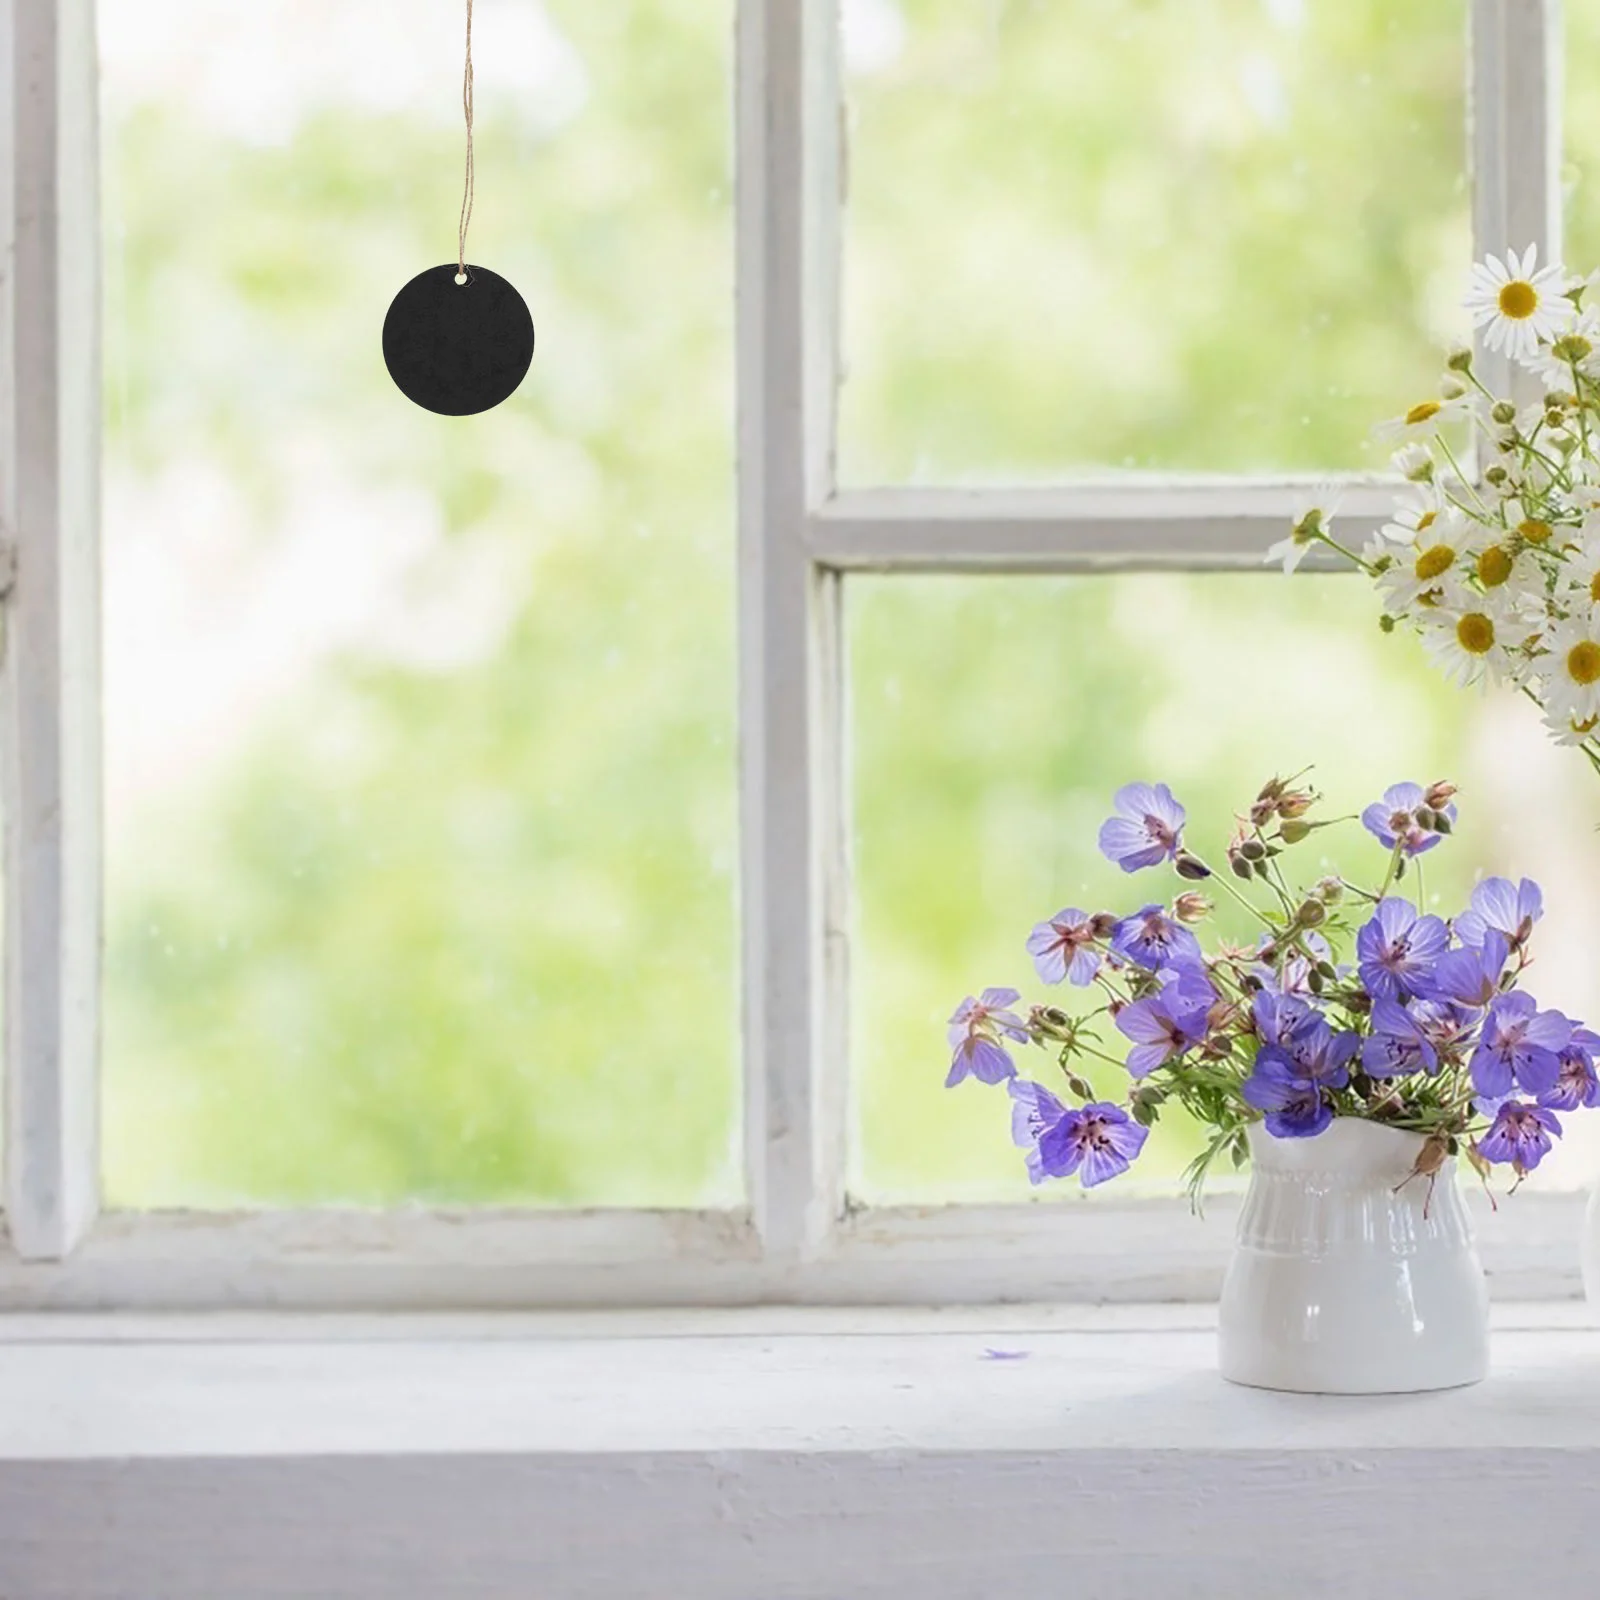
(1207, 235)
(420, 730)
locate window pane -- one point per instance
(995, 718)
(1214, 235)
(420, 730)
(1581, 131)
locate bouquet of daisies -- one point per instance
(1351, 1002)
(1499, 570)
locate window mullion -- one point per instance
(789, 638)
(1515, 145)
(52, 647)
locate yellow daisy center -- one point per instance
(1572, 347)
(1426, 520)
(1518, 300)
(1434, 561)
(1583, 662)
(1421, 413)
(1494, 566)
(1594, 588)
(1475, 634)
(1582, 726)
(1534, 531)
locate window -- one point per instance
(537, 852)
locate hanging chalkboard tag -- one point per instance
(458, 339)
(457, 347)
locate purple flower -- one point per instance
(1521, 1135)
(1293, 1102)
(1034, 1111)
(1280, 1017)
(1397, 947)
(1498, 906)
(1444, 1024)
(1518, 1045)
(976, 1029)
(1397, 1045)
(1154, 939)
(1393, 819)
(1323, 1056)
(1062, 948)
(1469, 977)
(1100, 1141)
(1166, 1024)
(1148, 828)
(1577, 1083)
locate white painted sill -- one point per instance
(765, 1454)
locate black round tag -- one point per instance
(457, 348)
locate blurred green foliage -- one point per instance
(466, 931)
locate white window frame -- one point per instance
(800, 1237)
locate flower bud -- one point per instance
(1294, 830)
(1252, 850)
(1460, 358)
(1385, 623)
(1241, 867)
(1504, 412)
(1191, 907)
(1079, 1087)
(1312, 914)
(1425, 818)
(1103, 924)
(1191, 867)
(1496, 475)
(1296, 803)
(1330, 891)
(1050, 1022)
(1439, 794)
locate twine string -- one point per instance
(467, 184)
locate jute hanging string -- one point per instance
(466, 186)
(458, 338)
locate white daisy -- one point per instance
(1414, 513)
(1576, 343)
(1515, 305)
(1437, 556)
(1414, 463)
(1579, 581)
(1468, 638)
(1424, 421)
(1313, 511)
(1571, 669)
(1566, 729)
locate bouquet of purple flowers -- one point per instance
(1353, 1002)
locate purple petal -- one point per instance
(1141, 800)
(1491, 1073)
(986, 1060)
(1085, 964)
(1128, 844)
(1101, 1164)
(1033, 1110)
(1049, 955)
(1143, 1059)
(1000, 997)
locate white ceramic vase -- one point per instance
(1348, 1279)
(1591, 1250)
